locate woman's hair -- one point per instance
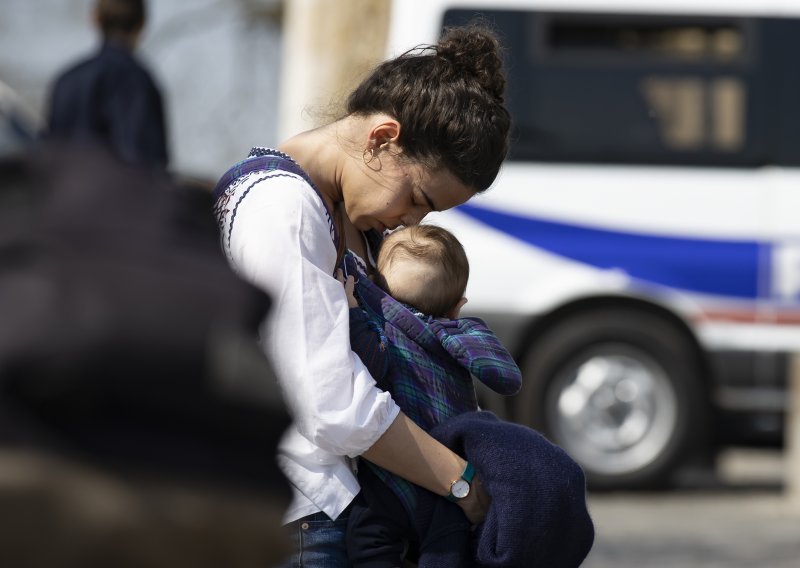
(120, 16)
(449, 100)
(446, 268)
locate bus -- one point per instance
(639, 252)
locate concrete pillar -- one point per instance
(328, 46)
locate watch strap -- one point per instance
(469, 473)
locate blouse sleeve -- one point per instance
(280, 240)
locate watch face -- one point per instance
(460, 489)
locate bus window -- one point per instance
(638, 89)
(693, 114)
(689, 41)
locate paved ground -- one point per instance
(741, 519)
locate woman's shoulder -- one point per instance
(276, 199)
(276, 187)
(267, 176)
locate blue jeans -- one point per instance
(318, 542)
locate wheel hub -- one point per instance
(615, 409)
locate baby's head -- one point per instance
(426, 267)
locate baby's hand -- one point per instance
(349, 287)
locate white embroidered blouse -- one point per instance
(276, 234)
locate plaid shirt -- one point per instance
(426, 364)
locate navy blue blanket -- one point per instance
(538, 516)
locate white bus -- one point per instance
(639, 252)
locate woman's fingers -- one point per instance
(477, 503)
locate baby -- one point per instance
(420, 351)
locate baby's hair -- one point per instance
(444, 258)
(449, 101)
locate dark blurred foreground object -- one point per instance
(110, 98)
(136, 411)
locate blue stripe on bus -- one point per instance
(722, 268)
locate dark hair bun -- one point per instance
(476, 51)
(449, 100)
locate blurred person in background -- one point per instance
(110, 98)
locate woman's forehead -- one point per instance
(443, 188)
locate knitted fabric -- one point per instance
(538, 517)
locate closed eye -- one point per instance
(428, 201)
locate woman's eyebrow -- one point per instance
(428, 200)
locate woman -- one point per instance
(424, 132)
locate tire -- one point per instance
(619, 390)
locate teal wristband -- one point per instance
(469, 473)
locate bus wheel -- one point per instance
(619, 390)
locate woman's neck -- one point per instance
(357, 243)
(319, 154)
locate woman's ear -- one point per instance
(384, 133)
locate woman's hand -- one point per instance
(349, 287)
(407, 450)
(476, 504)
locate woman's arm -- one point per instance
(407, 450)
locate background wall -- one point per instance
(217, 61)
(329, 46)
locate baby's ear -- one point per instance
(454, 313)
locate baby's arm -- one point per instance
(470, 341)
(365, 340)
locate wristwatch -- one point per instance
(461, 486)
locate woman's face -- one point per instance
(390, 191)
